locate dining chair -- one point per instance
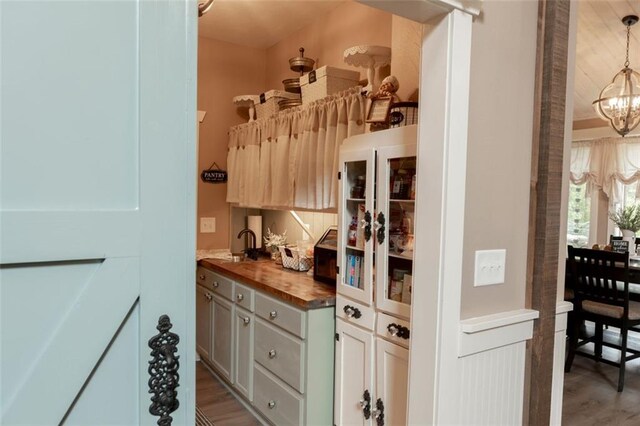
(601, 295)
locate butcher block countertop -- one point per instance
(293, 287)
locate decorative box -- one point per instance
(267, 102)
(326, 81)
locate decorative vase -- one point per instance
(630, 237)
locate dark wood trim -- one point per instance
(544, 210)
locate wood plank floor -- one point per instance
(217, 403)
(590, 390)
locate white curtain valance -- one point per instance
(290, 160)
(605, 163)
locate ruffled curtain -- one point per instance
(605, 163)
(297, 161)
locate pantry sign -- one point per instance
(214, 174)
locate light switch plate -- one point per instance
(489, 267)
(207, 225)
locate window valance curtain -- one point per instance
(290, 160)
(603, 163)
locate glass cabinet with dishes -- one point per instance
(356, 242)
(393, 225)
(376, 223)
(376, 211)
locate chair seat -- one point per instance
(568, 294)
(611, 311)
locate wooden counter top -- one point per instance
(294, 287)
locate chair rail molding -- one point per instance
(488, 332)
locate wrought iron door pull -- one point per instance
(163, 369)
(365, 403)
(379, 413)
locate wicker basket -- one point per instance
(295, 258)
(326, 81)
(403, 114)
(267, 103)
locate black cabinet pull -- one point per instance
(367, 225)
(352, 311)
(379, 413)
(398, 330)
(365, 403)
(380, 228)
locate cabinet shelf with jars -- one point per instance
(376, 212)
(376, 224)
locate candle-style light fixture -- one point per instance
(619, 102)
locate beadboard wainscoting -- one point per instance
(557, 384)
(491, 361)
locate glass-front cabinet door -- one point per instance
(356, 205)
(394, 228)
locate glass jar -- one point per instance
(400, 187)
(358, 188)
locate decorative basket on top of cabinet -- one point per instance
(326, 81)
(267, 103)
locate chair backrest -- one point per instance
(600, 276)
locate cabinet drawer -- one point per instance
(215, 282)
(280, 353)
(355, 313)
(277, 403)
(245, 297)
(281, 314)
(393, 329)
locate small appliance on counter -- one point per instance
(325, 255)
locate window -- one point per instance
(579, 216)
(628, 196)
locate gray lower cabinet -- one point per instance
(243, 337)
(222, 330)
(204, 299)
(215, 318)
(277, 357)
(293, 382)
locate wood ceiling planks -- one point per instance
(600, 49)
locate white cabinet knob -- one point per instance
(246, 320)
(273, 314)
(271, 404)
(201, 277)
(272, 353)
(215, 284)
(209, 296)
(240, 297)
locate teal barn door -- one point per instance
(97, 207)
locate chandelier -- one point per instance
(619, 102)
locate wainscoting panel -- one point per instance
(557, 385)
(491, 384)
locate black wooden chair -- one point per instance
(601, 295)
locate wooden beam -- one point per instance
(544, 210)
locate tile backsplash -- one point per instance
(279, 221)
